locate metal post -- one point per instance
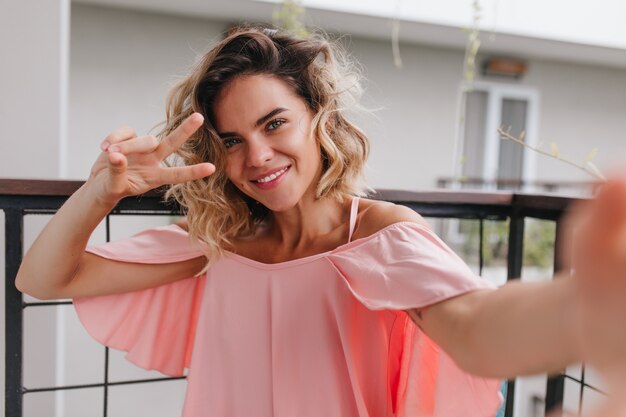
(514, 271)
(481, 244)
(14, 243)
(556, 384)
(105, 401)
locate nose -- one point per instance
(259, 152)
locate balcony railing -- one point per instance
(19, 198)
(578, 188)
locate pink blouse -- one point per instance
(324, 335)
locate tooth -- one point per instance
(272, 176)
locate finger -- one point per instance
(614, 225)
(602, 238)
(597, 234)
(142, 144)
(117, 164)
(611, 202)
(117, 184)
(179, 175)
(175, 139)
(117, 136)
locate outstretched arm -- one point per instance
(525, 328)
(520, 328)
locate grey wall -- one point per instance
(123, 62)
(33, 75)
(582, 107)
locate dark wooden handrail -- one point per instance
(65, 188)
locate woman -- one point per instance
(300, 309)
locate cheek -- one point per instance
(315, 148)
(309, 141)
(302, 127)
(234, 173)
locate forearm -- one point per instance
(54, 257)
(521, 328)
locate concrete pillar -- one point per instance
(34, 65)
(33, 81)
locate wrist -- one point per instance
(105, 202)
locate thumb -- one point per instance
(118, 183)
(117, 164)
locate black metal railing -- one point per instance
(19, 198)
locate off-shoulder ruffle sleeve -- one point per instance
(155, 326)
(407, 266)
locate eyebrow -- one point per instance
(258, 123)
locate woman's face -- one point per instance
(272, 155)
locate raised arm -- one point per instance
(57, 266)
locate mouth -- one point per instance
(271, 177)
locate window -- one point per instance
(486, 157)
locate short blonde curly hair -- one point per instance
(318, 72)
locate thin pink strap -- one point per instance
(353, 212)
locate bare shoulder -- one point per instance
(375, 215)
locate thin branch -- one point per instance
(395, 43)
(395, 36)
(588, 167)
(290, 16)
(472, 46)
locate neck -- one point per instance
(306, 222)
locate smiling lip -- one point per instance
(271, 178)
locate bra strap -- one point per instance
(354, 209)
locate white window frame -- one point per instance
(496, 93)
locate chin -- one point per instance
(280, 204)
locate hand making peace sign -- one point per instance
(132, 165)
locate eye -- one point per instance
(230, 142)
(274, 124)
